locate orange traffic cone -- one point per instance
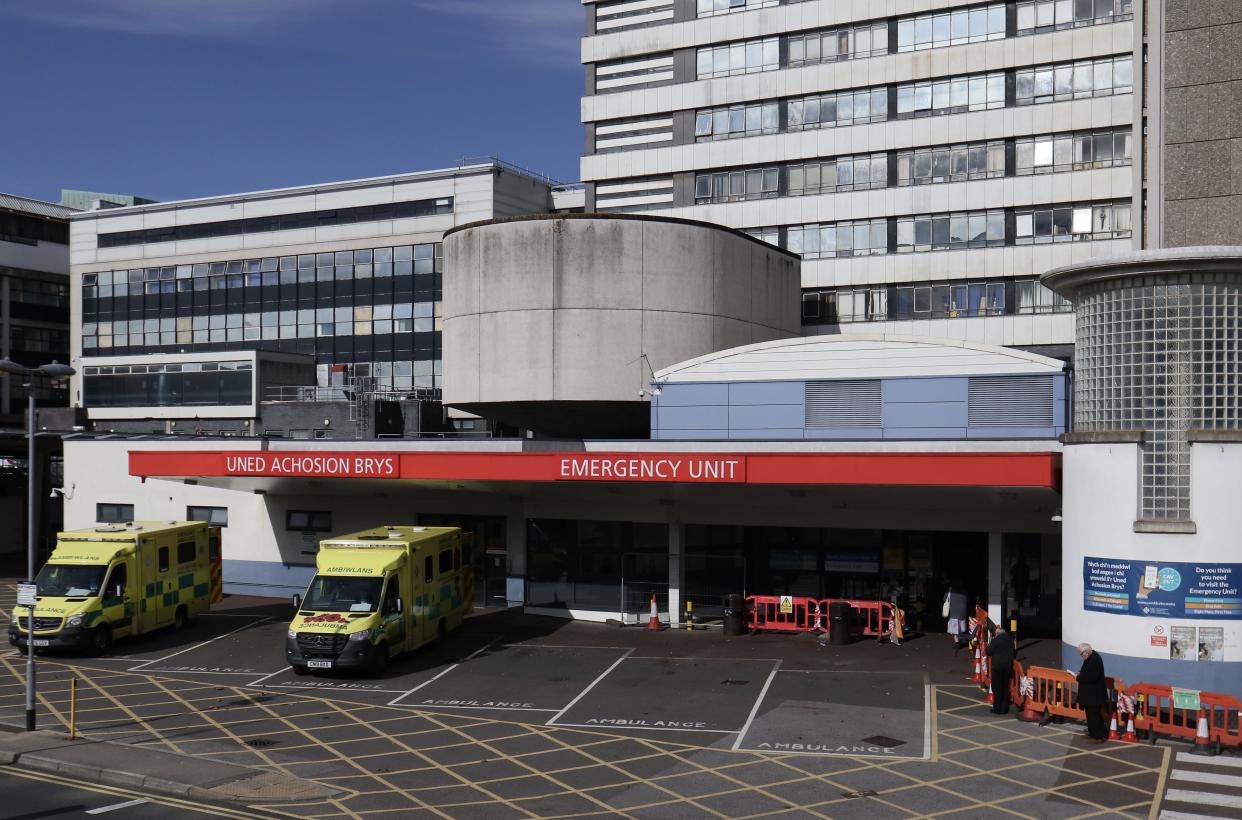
(654, 622)
(1029, 713)
(1130, 736)
(1202, 744)
(1112, 729)
(978, 676)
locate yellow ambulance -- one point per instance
(117, 580)
(379, 593)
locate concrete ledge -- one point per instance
(1155, 525)
(153, 770)
(1201, 436)
(1105, 437)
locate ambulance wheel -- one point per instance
(441, 632)
(101, 640)
(379, 663)
(180, 618)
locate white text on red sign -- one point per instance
(649, 468)
(306, 465)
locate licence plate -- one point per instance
(309, 664)
(41, 642)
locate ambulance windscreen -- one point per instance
(70, 580)
(334, 593)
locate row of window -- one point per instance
(38, 339)
(183, 367)
(953, 231)
(30, 230)
(295, 520)
(281, 222)
(134, 386)
(924, 31)
(307, 323)
(38, 292)
(920, 166)
(950, 300)
(708, 8)
(950, 95)
(402, 260)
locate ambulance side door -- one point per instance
(426, 572)
(117, 599)
(392, 614)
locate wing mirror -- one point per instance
(297, 602)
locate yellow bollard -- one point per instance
(73, 708)
(1013, 630)
(689, 615)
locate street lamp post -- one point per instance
(54, 370)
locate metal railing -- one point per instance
(345, 393)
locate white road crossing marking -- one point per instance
(116, 806)
(1187, 757)
(1206, 777)
(1182, 815)
(1228, 801)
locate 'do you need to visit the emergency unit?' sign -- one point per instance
(1162, 590)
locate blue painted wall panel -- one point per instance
(699, 417)
(685, 395)
(770, 434)
(767, 393)
(692, 435)
(924, 432)
(1012, 432)
(762, 417)
(924, 390)
(266, 578)
(925, 414)
(845, 433)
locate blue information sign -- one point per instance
(1162, 590)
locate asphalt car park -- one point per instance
(533, 717)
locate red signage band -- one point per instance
(852, 468)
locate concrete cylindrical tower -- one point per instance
(1152, 560)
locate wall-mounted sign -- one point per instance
(335, 465)
(652, 468)
(1162, 590)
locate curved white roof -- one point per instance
(857, 356)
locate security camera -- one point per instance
(642, 394)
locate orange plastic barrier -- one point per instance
(764, 612)
(1015, 682)
(1056, 693)
(871, 618)
(1156, 715)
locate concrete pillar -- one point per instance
(676, 571)
(515, 547)
(995, 578)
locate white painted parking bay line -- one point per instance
(1187, 757)
(473, 654)
(201, 644)
(115, 806)
(754, 710)
(1206, 777)
(552, 720)
(259, 682)
(1228, 801)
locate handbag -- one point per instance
(944, 609)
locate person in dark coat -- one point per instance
(1000, 659)
(1092, 692)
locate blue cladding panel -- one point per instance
(714, 417)
(266, 578)
(686, 395)
(925, 414)
(924, 390)
(1013, 432)
(1220, 676)
(835, 433)
(764, 417)
(925, 432)
(767, 393)
(692, 435)
(774, 433)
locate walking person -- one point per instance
(1092, 692)
(957, 604)
(1000, 659)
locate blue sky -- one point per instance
(181, 98)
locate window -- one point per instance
(837, 44)
(118, 582)
(186, 552)
(973, 25)
(951, 95)
(391, 595)
(114, 513)
(952, 231)
(839, 174)
(1067, 81)
(308, 521)
(737, 121)
(1036, 16)
(1030, 296)
(736, 186)
(951, 163)
(1072, 223)
(739, 58)
(216, 516)
(841, 108)
(446, 561)
(1072, 152)
(163, 559)
(428, 567)
(709, 8)
(861, 238)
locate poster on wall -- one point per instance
(1211, 643)
(1182, 644)
(1162, 590)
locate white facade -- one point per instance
(646, 145)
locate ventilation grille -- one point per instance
(1011, 401)
(843, 404)
(632, 14)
